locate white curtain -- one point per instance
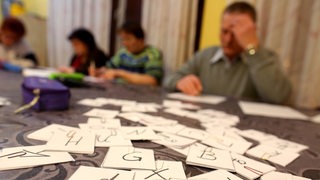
(292, 29)
(67, 15)
(170, 25)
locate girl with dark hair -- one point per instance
(86, 53)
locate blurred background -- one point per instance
(178, 28)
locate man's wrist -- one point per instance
(251, 49)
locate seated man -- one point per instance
(240, 68)
(137, 63)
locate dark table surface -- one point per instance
(15, 128)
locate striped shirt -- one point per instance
(149, 62)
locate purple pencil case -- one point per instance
(43, 94)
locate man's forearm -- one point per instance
(266, 72)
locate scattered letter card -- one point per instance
(139, 133)
(172, 128)
(193, 133)
(111, 123)
(111, 137)
(209, 99)
(106, 137)
(268, 110)
(284, 145)
(210, 158)
(172, 140)
(278, 175)
(273, 155)
(101, 113)
(85, 173)
(74, 142)
(256, 135)
(185, 151)
(129, 158)
(90, 102)
(47, 132)
(30, 156)
(250, 168)
(229, 144)
(218, 174)
(179, 104)
(165, 170)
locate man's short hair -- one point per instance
(243, 8)
(133, 28)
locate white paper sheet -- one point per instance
(316, 119)
(129, 158)
(131, 116)
(44, 134)
(268, 110)
(138, 108)
(93, 173)
(208, 99)
(157, 121)
(172, 140)
(4, 101)
(74, 141)
(250, 168)
(107, 137)
(38, 72)
(193, 133)
(101, 113)
(147, 119)
(173, 129)
(138, 133)
(282, 176)
(212, 113)
(150, 104)
(30, 156)
(111, 123)
(210, 158)
(164, 170)
(185, 151)
(285, 145)
(227, 120)
(225, 132)
(176, 111)
(90, 102)
(95, 127)
(115, 102)
(222, 142)
(179, 104)
(272, 154)
(216, 175)
(256, 135)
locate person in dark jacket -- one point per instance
(87, 54)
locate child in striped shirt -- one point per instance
(136, 63)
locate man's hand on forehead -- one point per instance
(244, 30)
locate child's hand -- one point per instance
(109, 74)
(65, 69)
(97, 72)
